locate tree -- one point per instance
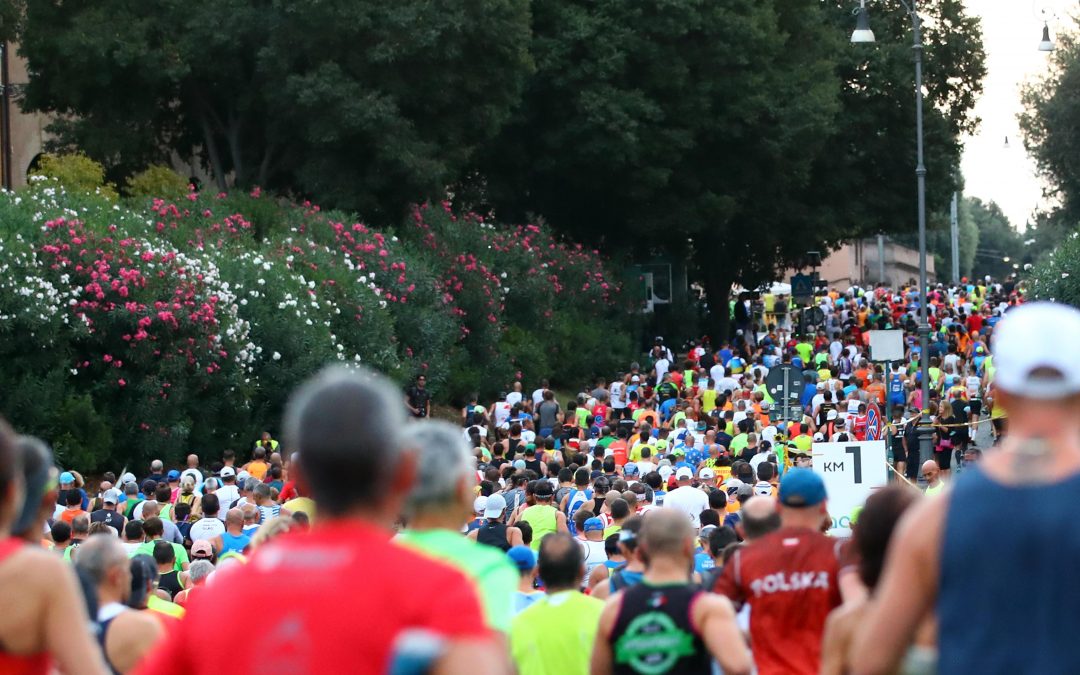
(740, 134)
(1049, 120)
(371, 105)
(998, 240)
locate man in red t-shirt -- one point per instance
(789, 577)
(346, 598)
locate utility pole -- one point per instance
(954, 231)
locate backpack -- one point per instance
(844, 365)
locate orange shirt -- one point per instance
(68, 515)
(257, 469)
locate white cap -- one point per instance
(127, 478)
(819, 437)
(684, 473)
(494, 507)
(1030, 357)
(110, 496)
(769, 433)
(665, 472)
(706, 473)
(228, 471)
(831, 415)
(479, 504)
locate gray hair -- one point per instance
(156, 465)
(262, 490)
(442, 460)
(251, 483)
(98, 555)
(345, 423)
(80, 524)
(200, 569)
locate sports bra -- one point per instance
(20, 664)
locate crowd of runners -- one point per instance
(665, 520)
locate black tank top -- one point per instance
(653, 634)
(493, 534)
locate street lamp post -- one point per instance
(863, 34)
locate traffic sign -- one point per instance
(785, 384)
(802, 288)
(814, 316)
(851, 471)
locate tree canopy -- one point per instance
(369, 105)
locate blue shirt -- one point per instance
(702, 562)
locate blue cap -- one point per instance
(67, 478)
(522, 557)
(173, 475)
(630, 469)
(801, 487)
(593, 525)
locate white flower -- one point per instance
(276, 356)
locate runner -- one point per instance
(333, 597)
(555, 633)
(1032, 477)
(790, 580)
(440, 501)
(666, 624)
(124, 634)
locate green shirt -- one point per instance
(582, 417)
(495, 577)
(738, 444)
(542, 519)
(805, 350)
(538, 649)
(147, 548)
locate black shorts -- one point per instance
(898, 452)
(976, 406)
(943, 459)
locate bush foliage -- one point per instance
(156, 327)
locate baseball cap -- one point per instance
(479, 505)
(522, 557)
(173, 475)
(630, 469)
(495, 506)
(801, 487)
(519, 464)
(706, 474)
(706, 531)
(242, 476)
(1030, 358)
(594, 525)
(67, 478)
(543, 489)
(665, 472)
(227, 471)
(127, 478)
(110, 497)
(831, 415)
(684, 473)
(202, 548)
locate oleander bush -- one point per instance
(153, 327)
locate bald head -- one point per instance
(561, 562)
(98, 556)
(666, 533)
(930, 470)
(234, 517)
(193, 461)
(759, 517)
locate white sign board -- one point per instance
(886, 345)
(851, 471)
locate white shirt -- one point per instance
(973, 383)
(618, 395)
(950, 361)
(645, 468)
(690, 501)
(662, 367)
(206, 528)
(528, 436)
(502, 412)
(513, 398)
(717, 372)
(226, 494)
(726, 384)
(595, 556)
(537, 397)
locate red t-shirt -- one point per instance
(789, 578)
(974, 323)
(344, 594)
(618, 451)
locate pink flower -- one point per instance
(122, 382)
(107, 358)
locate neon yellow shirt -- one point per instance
(543, 521)
(495, 577)
(554, 635)
(708, 400)
(161, 606)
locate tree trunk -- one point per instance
(716, 280)
(212, 151)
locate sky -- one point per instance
(1011, 33)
